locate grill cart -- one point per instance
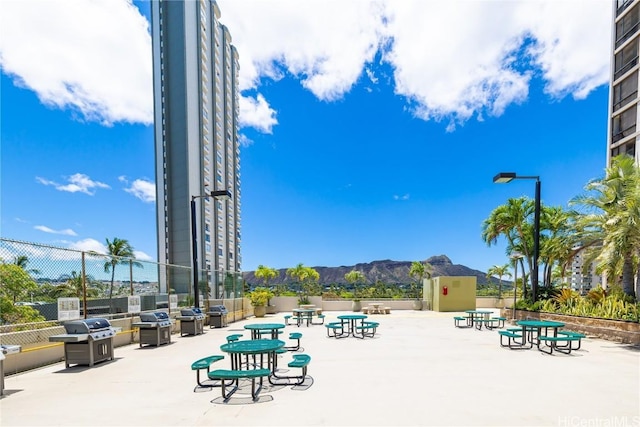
(155, 328)
(87, 341)
(191, 321)
(217, 316)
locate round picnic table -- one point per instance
(474, 315)
(351, 320)
(303, 314)
(537, 326)
(256, 328)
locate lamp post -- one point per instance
(505, 177)
(515, 256)
(223, 194)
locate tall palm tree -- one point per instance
(613, 221)
(513, 221)
(557, 246)
(500, 271)
(119, 251)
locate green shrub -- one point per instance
(260, 296)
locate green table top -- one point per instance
(352, 316)
(540, 323)
(252, 346)
(264, 326)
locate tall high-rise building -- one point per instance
(195, 83)
(623, 132)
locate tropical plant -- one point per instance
(73, 287)
(355, 277)
(596, 295)
(566, 296)
(119, 251)
(513, 221)
(12, 314)
(266, 274)
(611, 222)
(22, 261)
(500, 271)
(260, 296)
(15, 283)
(305, 276)
(419, 271)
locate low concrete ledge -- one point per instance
(622, 331)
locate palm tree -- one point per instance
(22, 261)
(419, 271)
(557, 247)
(513, 221)
(73, 287)
(266, 273)
(119, 251)
(612, 221)
(500, 271)
(354, 277)
(303, 275)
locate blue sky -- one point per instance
(376, 138)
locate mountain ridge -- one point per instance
(386, 271)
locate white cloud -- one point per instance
(574, 41)
(256, 113)
(89, 245)
(66, 231)
(141, 256)
(244, 140)
(451, 60)
(92, 56)
(142, 189)
(403, 197)
(325, 43)
(78, 183)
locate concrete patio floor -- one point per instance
(418, 370)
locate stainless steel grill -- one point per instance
(191, 321)
(217, 316)
(87, 341)
(155, 328)
(6, 349)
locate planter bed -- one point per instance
(622, 331)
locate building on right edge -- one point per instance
(623, 94)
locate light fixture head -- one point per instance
(516, 255)
(504, 177)
(221, 194)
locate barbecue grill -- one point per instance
(217, 316)
(87, 341)
(155, 328)
(191, 321)
(6, 349)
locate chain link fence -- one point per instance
(102, 282)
